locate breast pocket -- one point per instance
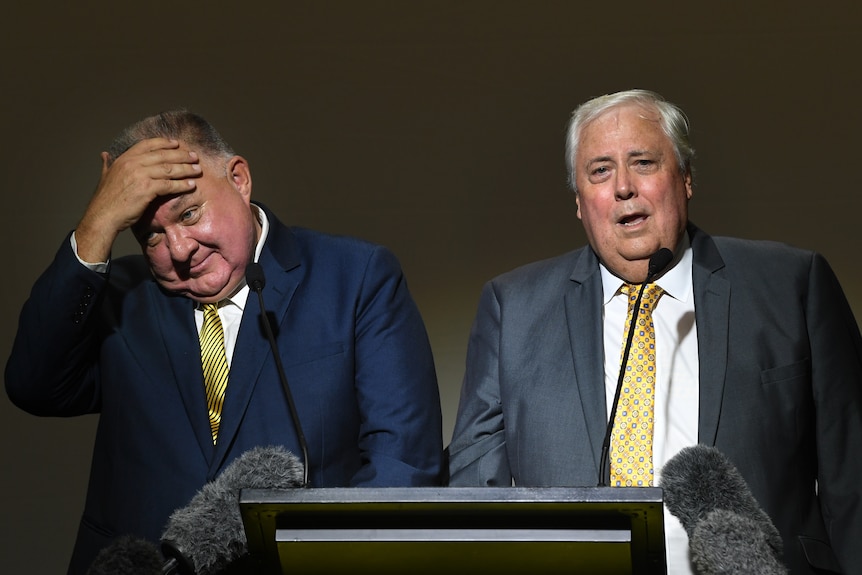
(787, 374)
(312, 354)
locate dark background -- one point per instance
(435, 128)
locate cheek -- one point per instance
(594, 212)
(160, 261)
(677, 204)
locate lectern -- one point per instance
(451, 530)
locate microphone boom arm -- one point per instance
(256, 284)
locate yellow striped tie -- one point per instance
(631, 443)
(214, 363)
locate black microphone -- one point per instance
(657, 262)
(256, 281)
(207, 535)
(704, 490)
(128, 555)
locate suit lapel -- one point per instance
(712, 309)
(583, 302)
(175, 317)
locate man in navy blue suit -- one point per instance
(119, 337)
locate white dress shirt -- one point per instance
(676, 408)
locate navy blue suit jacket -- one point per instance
(780, 379)
(353, 346)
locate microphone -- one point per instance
(657, 262)
(207, 535)
(256, 281)
(128, 555)
(725, 542)
(724, 522)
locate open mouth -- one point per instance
(632, 220)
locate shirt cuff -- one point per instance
(101, 267)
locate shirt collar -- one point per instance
(676, 282)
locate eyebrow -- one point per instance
(596, 160)
(178, 203)
(634, 153)
(630, 154)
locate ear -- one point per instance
(688, 187)
(578, 204)
(240, 176)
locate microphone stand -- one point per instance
(256, 284)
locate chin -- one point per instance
(199, 294)
(640, 255)
(206, 296)
(641, 247)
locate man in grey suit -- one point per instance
(757, 350)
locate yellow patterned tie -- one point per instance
(214, 363)
(631, 443)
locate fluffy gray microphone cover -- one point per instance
(209, 531)
(726, 543)
(128, 555)
(700, 479)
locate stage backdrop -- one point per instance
(435, 128)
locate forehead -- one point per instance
(176, 203)
(628, 126)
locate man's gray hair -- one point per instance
(179, 124)
(673, 120)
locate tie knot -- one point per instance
(210, 309)
(651, 294)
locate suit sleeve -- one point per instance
(477, 453)
(836, 350)
(396, 384)
(52, 369)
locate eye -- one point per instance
(188, 215)
(150, 239)
(645, 164)
(600, 173)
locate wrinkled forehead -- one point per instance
(630, 125)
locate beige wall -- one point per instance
(435, 128)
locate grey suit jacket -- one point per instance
(780, 359)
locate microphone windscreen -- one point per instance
(725, 543)
(207, 535)
(700, 479)
(128, 555)
(254, 276)
(658, 261)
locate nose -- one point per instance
(624, 188)
(180, 244)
